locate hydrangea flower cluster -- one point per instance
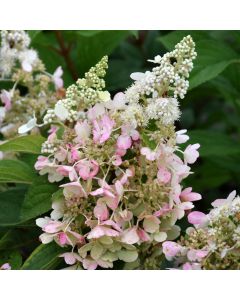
(120, 166)
(214, 241)
(21, 65)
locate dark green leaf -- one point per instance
(19, 237)
(90, 49)
(33, 34)
(44, 257)
(18, 206)
(16, 171)
(214, 143)
(10, 206)
(27, 144)
(174, 37)
(13, 257)
(38, 198)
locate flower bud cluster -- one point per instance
(86, 89)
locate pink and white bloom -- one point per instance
(73, 155)
(181, 137)
(171, 249)
(150, 155)
(130, 236)
(191, 266)
(61, 155)
(58, 231)
(57, 78)
(118, 102)
(58, 210)
(227, 201)
(101, 210)
(45, 166)
(73, 189)
(179, 210)
(61, 111)
(196, 255)
(197, 218)
(6, 99)
(5, 266)
(52, 134)
(124, 142)
(28, 59)
(96, 111)
(71, 258)
(102, 129)
(28, 126)
(68, 171)
(163, 211)
(112, 194)
(2, 114)
(128, 174)
(83, 131)
(87, 168)
(151, 224)
(108, 228)
(191, 154)
(163, 175)
(188, 196)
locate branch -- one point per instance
(65, 52)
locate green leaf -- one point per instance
(16, 171)
(213, 55)
(10, 206)
(27, 144)
(214, 143)
(171, 39)
(90, 49)
(18, 206)
(13, 257)
(38, 198)
(213, 58)
(44, 257)
(87, 33)
(19, 237)
(33, 34)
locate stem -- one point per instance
(65, 52)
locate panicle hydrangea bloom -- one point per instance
(21, 65)
(214, 241)
(120, 167)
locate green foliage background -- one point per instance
(210, 111)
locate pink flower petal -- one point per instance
(124, 142)
(197, 218)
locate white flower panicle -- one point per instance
(15, 39)
(20, 64)
(157, 91)
(14, 48)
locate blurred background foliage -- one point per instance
(211, 110)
